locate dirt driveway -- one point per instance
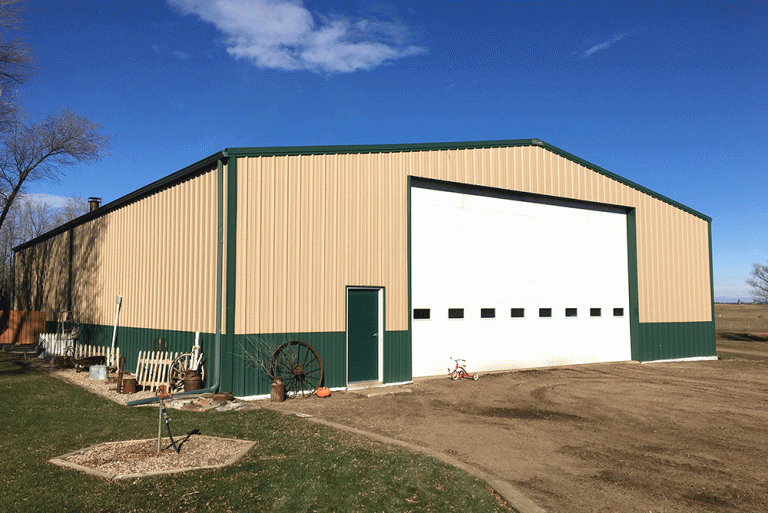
(610, 437)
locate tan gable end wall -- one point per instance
(308, 226)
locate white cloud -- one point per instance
(50, 199)
(178, 54)
(604, 45)
(283, 34)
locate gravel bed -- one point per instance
(108, 389)
(140, 457)
(105, 388)
(136, 458)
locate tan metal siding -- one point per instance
(161, 257)
(673, 264)
(308, 226)
(41, 274)
(288, 265)
(159, 253)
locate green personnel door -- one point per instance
(362, 335)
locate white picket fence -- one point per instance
(112, 358)
(54, 344)
(153, 368)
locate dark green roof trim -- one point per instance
(198, 167)
(468, 145)
(179, 176)
(375, 148)
(624, 181)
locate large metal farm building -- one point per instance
(387, 260)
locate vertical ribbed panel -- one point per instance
(310, 225)
(42, 277)
(158, 253)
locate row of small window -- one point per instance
(490, 313)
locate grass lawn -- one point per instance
(295, 465)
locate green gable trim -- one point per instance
(399, 148)
(672, 340)
(207, 163)
(624, 181)
(198, 168)
(281, 151)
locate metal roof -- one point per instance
(204, 164)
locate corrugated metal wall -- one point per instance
(159, 253)
(42, 277)
(307, 228)
(310, 225)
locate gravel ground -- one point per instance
(105, 388)
(108, 388)
(136, 457)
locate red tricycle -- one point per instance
(460, 371)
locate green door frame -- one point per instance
(380, 329)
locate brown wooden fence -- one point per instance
(20, 327)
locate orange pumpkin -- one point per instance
(323, 392)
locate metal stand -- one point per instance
(162, 394)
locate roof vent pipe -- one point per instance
(94, 203)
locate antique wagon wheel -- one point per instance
(300, 367)
(179, 367)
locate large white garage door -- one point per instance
(505, 283)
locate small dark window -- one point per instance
(487, 313)
(618, 312)
(455, 313)
(518, 312)
(595, 312)
(545, 312)
(571, 312)
(421, 313)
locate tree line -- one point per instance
(759, 282)
(27, 219)
(33, 151)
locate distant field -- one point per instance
(741, 330)
(741, 319)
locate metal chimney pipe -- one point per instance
(94, 203)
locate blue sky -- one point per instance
(671, 95)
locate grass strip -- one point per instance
(295, 465)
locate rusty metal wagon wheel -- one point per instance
(300, 367)
(179, 367)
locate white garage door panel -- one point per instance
(476, 252)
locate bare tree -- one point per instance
(15, 64)
(759, 282)
(29, 151)
(72, 209)
(29, 218)
(37, 152)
